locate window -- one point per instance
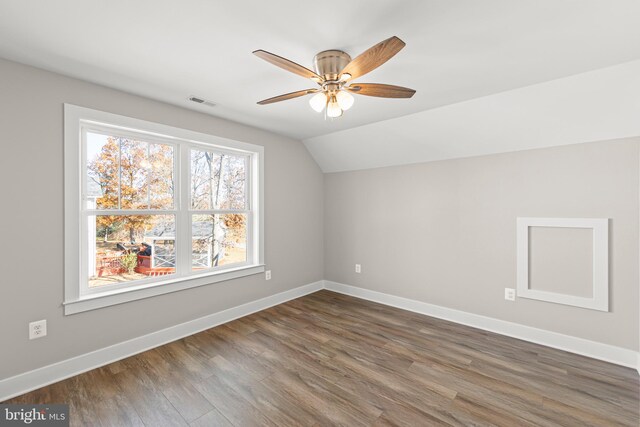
(151, 209)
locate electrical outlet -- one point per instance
(358, 268)
(37, 329)
(509, 294)
(267, 275)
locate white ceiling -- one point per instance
(456, 50)
(593, 106)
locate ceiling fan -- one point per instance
(334, 71)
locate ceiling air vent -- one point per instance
(201, 101)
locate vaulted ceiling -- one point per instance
(456, 51)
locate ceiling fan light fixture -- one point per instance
(334, 71)
(344, 99)
(318, 101)
(333, 108)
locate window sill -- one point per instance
(108, 298)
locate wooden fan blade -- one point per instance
(287, 65)
(288, 96)
(381, 90)
(373, 57)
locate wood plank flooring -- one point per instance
(329, 359)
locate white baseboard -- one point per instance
(28, 381)
(596, 350)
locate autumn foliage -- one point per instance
(132, 175)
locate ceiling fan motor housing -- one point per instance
(329, 63)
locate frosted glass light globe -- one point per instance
(333, 108)
(345, 100)
(318, 101)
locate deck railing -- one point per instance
(110, 264)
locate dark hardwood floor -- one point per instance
(329, 359)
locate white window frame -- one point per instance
(600, 272)
(78, 297)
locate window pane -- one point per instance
(124, 173)
(124, 248)
(217, 180)
(133, 174)
(103, 158)
(218, 240)
(161, 182)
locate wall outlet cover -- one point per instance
(509, 294)
(37, 329)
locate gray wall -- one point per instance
(561, 260)
(445, 232)
(441, 232)
(31, 218)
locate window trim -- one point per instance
(183, 141)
